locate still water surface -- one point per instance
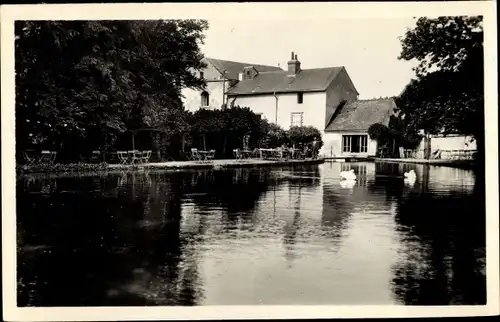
(253, 236)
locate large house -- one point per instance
(325, 98)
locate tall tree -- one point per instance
(447, 94)
(77, 80)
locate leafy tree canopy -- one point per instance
(78, 79)
(447, 94)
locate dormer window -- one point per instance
(205, 99)
(300, 98)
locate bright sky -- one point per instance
(367, 48)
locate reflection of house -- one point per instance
(347, 132)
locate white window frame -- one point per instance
(347, 143)
(301, 119)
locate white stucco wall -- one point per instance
(192, 98)
(313, 107)
(333, 145)
(461, 142)
(453, 143)
(215, 88)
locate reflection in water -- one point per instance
(253, 236)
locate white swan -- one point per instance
(348, 175)
(347, 184)
(410, 177)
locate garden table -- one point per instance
(206, 155)
(47, 157)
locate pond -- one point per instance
(253, 236)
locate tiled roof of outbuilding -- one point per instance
(359, 115)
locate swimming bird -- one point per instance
(348, 175)
(410, 177)
(347, 184)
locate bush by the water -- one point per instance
(385, 135)
(303, 135)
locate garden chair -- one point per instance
(53, 155)
(96, 156)
(195, 156)
(48, 157)
(30, 159)
(436, 155)
(122, 156)
(237, 154)
(146, 155)
(134, 156)
(137, 156)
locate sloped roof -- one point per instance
(306, 80)
(232, 68)
(359, 115)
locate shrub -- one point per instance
(383, 135)
(271, 135)
(380, 133)
(304, 135)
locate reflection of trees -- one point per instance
(100, 253)
(239, 190)
(291, 230)
(336, 212)
(388, 181)
(77, 231)
(116, 240)
(444, 238)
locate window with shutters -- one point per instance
(296, 119)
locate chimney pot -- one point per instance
(295, 56)
(292, 55)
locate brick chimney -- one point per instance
(293, 65)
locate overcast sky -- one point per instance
(367, 48)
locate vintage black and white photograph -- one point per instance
(246, 161)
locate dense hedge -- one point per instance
(222, 130)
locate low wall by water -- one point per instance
(174, 165)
